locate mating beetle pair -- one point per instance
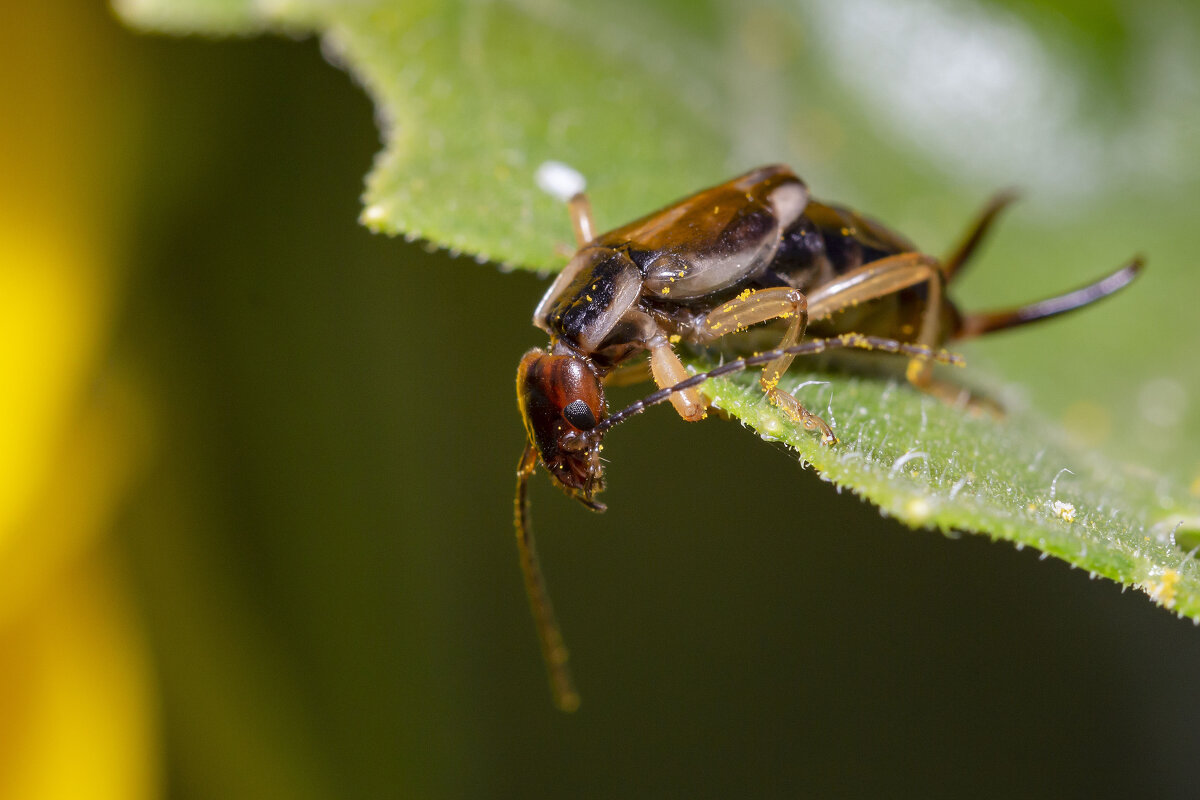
(757, 249)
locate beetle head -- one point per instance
(561, 400)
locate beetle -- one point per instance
(756, 249)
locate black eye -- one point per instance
(578, 414)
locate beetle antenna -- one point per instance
(554, 652)
(811, 347)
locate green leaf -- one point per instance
(652, 101)
(931, 465)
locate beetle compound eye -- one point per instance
(578, 414)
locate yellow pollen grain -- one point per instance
(674, 338)
(589, 298)
(1064, 511)
(666, 290)
(918, 508)
(1164, 591)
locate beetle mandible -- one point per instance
(757, 249)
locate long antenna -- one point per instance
(554, 652)
(812, 346)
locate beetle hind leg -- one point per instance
(952, 394)
(884, 277)
(753, 307)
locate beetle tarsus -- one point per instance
(795, 411)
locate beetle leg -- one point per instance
(668, 370)
(751, 308)
(879, 279)
(581, 218)
(975, 234)
(629, 374)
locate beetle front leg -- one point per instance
(753, 307)
(668, 370)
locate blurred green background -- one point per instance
(307, 583)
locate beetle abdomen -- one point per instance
(828, 241)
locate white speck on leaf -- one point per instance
(559, 180)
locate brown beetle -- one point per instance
(754, 250)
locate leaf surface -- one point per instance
(652, 101)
